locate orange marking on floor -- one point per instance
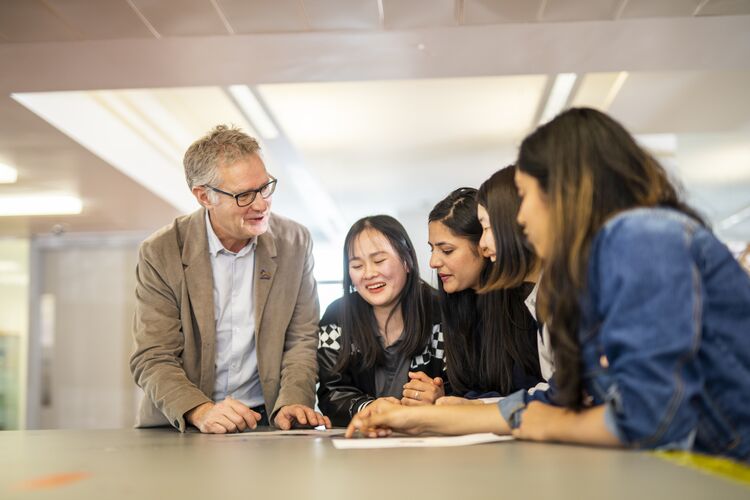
(51, 481)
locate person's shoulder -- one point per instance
(285, 229)
(648, 226)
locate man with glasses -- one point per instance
(226, 304)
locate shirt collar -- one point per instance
(531, 298)
(214, 243)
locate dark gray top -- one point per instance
(391, 376)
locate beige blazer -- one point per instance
(175, 331)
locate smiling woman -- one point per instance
(490, 337)
(382, 332)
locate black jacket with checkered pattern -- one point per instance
(341, 395)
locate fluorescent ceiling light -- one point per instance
(8, 175)
(558, 96)
(252, 107)
(40, 205)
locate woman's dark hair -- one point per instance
(358, 323)
(482, 343)
(515, 259)
(590, 168)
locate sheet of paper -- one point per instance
(419, 442)
(292, 432)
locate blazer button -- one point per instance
(603, 361)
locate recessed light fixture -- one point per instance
(39, 204)
(8, 174)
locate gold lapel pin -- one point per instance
(265, 275)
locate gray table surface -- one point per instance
(162, 463)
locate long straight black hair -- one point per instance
(358, 324)
(476, 327)
(505, 281)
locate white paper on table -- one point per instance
(292, 432)
(419, 442)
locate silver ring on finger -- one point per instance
(416, 395)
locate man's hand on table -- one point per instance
(289, 415)
(225, 416)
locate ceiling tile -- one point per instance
(32, 21)
(375, 145)
(102, 19)
(597, 90)
(725, 8)
(580, 10)
(262, 16)
(405, 115)
(500, 11)
(683, 102)
(342, 14)
(182, 17)
(403, 14)
(662, 8)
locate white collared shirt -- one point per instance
(234, 313)
(546, 359)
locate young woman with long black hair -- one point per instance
(490, 336)
(384, 327)
(515, 269)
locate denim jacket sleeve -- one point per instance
(647, 299)
(512, 406)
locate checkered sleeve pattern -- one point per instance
(434, 349)
(328, 336)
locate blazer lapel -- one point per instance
(265, 272)
(196, 263)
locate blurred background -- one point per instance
(361, 106)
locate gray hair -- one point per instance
(222, 145)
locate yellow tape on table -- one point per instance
(723, 467)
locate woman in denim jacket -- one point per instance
(649, 312)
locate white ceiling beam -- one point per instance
(705, 43)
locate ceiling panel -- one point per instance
(47, 160)
(400, 14)
(662, 8)
(580, 10)
(102, 19)
(342, 14)
(182, 17)
(198, 109)
(387, 146)
(262, 16)
(684, 102)
(725, 8)
(500, 11)
(398, 115)
(33, 21)
(597, 90)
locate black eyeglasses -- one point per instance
(247, 197)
